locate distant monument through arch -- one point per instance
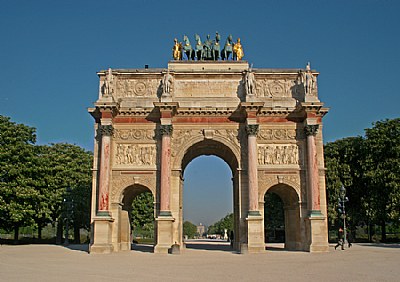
(266, 124)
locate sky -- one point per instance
(51, 50)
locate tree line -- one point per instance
(369, 168)
(34, 180)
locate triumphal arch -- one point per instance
(264, 123)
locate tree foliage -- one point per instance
(142, 214)
(273, 212)
(189, 229)
(34, 180)
(220, 226)
(369, 169)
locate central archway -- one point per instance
(218, 149)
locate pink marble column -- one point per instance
(252, 130)
(312, 168)
(104, 177)
(166, 132)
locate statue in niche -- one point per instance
(108, 87)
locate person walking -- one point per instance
(340, 242)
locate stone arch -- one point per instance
(292, 216)
(267, 182)
(199, 145)
(120, 183)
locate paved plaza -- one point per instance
(201, 261)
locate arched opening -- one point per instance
(282, 217)
(137, 218)
(209, 196)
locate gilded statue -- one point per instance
(238, 51)
(177, 50)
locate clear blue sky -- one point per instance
(50, 52)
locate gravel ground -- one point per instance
(201, 262)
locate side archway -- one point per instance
(291, 208)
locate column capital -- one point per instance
(106, 130)
(311, 129)
(252, 129)
(166, 129)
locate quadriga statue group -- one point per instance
(208, 50)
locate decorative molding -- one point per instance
(134, 134)
(277, 134)
(137, 88)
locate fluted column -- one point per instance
(165, 187)
(312, 169)
(252, 130)
(106, 132)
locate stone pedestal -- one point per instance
(102, 243)
(316, 228)
(255, 238)
(164, 234)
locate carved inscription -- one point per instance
(134, 134)
(131, 154)
(277, 134)
(278, 154)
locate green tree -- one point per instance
(383, 171)
(67, 166)
(17, 191)
(142, 214)
(189, 229)
(220, 226)
(273, 212)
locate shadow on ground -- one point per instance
(380, 245)
(144, 248)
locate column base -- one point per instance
(164, 234)
(317, 232)
(102, 235)
(255, 238)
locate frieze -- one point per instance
(278, 154)
(137, 88)
(133, 154)
(134, 134)
(209, 87)
(277, 88)
(277, 134)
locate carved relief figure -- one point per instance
(131, 154)
(278, 154)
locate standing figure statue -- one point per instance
(250, 83)
(238, 53)
(177, 50)
(199, 52)
(108, 87)
(166, 84)
(227, 48)
(187, 48)
(207, 48)
(216, 47)
(308, 79)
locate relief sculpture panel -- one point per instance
(206, 87)
(134, 134)
(278, 154)
(137, 88)
(277, 134)
(137, 155)
(277, 88)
